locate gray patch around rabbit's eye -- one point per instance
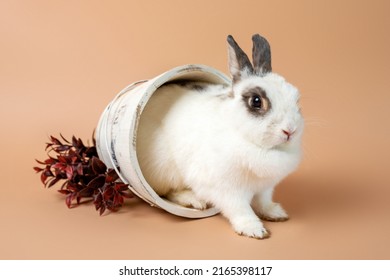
(256, 101)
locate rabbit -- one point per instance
(225, 146)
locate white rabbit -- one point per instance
(228, 146)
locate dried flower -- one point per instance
(83, 174)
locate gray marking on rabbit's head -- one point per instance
(256, 101)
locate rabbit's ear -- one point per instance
(261, 55)
(239, 64)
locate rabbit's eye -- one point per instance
(255, 102)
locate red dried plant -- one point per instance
(83, 174)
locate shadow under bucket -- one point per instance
(116, 133)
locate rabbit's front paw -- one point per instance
(253, 229)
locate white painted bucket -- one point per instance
(116, 133)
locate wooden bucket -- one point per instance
(116, 133)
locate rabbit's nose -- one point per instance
(288, 133)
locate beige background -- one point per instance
(61, 62)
